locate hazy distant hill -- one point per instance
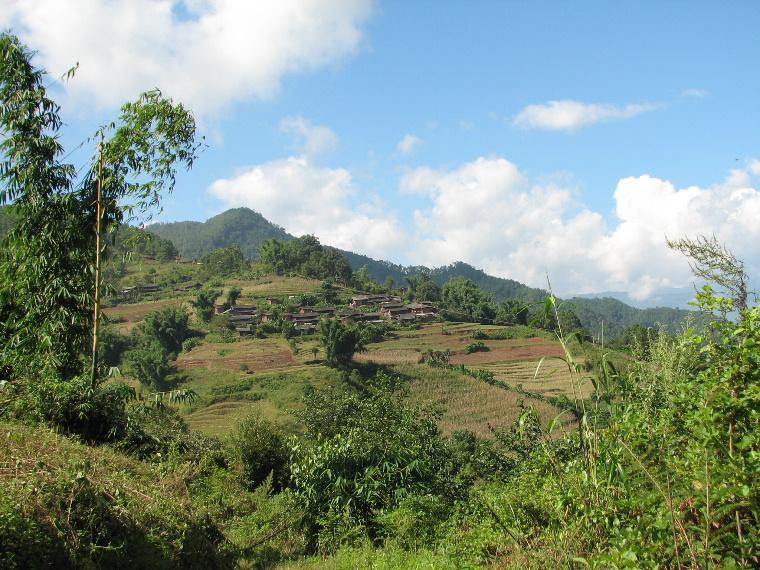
(248, 229)
(239, 226)
(617, 316)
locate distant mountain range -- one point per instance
(676, 297)
(248, 229)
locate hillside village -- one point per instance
(226, 395)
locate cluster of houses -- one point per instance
(306, 319)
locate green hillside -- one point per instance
(616, 316)
(238, 226)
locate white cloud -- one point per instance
(216, 53)
(407, 144)
(308, 199)
(312, 140)
(696, 93)
(489, 214)
(570, 115)
(754, 166)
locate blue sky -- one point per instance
(524, 138)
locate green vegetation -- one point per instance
(305, 256)
(612, 317)
(339, 342)
(239, 226)
(405, 447)
(128, 240)
(223, 262)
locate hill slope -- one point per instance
(617, 316)
(248, 229)
(239, 226)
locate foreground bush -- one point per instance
(68, 505)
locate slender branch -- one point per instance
(98, 232)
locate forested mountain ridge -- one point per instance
(612, 316)
(249, 229)
(238, 226)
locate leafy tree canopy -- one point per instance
(305, 256)
(463, 296)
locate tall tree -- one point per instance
(339, 342)
(51, 262)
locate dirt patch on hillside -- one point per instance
(534, 351)
(389, 356)
(132, 313)
(256, 362)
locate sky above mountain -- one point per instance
(524, 138)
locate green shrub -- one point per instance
(365, 454)
(191, 343)
(149, 363)
(167, 326)
(222, 336)
(72, 506)
(476, 347)
(258, 450)
(75, 406)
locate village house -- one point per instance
(364, 300)
(396, 311)
(188, 288)
(242, 310)
(367, 318)
(319, 310)
(306, 328)
(245, 330)
(140, 289)
(404, 317)
(421, 308)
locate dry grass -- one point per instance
(275, 286)
(220, 418)
(132, 313)
(468, 403)
(252, 354)
(551, 378)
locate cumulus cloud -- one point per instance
(407, 144)
(205, 53)
(488, 213)
(308, 199)
(754, 166)
(569, 115)
(312, 140)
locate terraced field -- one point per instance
(269, 376)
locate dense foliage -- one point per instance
(129, 240)
(612, 316)
(223, 262)
(462, 296)
(340, 342)
(305, 256)
(239, 226)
